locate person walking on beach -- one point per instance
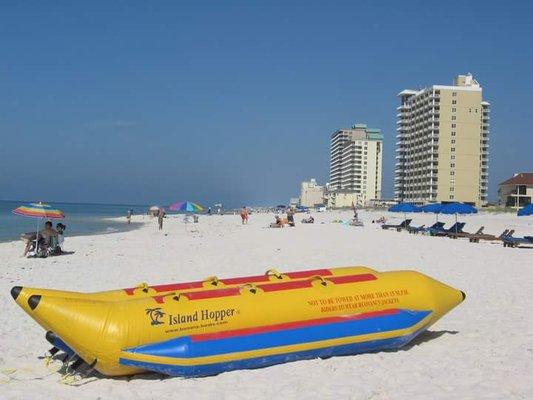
(244, 215)
(160, 216)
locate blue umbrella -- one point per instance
(458, 208)
(404, 208)
(432, 208)
(527, 210)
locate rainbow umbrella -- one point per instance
(188, 206)
(39, 211)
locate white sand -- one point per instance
(482, 349)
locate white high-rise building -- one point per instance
(442, 144)
(355, 166)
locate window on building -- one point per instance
(454, 109)
(452, 149)
(452, 165)
(452, 172)
(452, 197)
(453, 141)
(452, 189)
(453, 125)
(453, 156)
(454, 101)
(454, 133)
(454, 94)
(454, 117)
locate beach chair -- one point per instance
(488, 237)
(462, 234)
(510, 241)
(398, 227)
(456, 228)
(423, 229)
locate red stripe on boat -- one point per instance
(233, 281)
(273, 287)
(290, 325)
(352, 278)
(309, 273)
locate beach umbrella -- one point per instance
(527, 210)
(39, 211)
(457, 208)
(187, 206)
(404, 208)
(432, 208)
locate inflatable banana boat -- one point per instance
(206, 331)
(22, 294)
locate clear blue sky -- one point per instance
(150, 102)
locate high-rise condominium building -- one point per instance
(355, 166)
(442, 143)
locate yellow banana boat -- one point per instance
(206, 332)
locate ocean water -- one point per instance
(80, 219)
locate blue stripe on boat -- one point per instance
(57, 342)
(184, 347)
(260, 362)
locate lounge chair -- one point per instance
(510, 241)
(423, 228)
(462, 234)
(398, 227)
(488, 237)
(456, 228)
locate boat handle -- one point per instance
(274, 272)
(143, 286)
(251, 288)
(323, 282)
(213, 280)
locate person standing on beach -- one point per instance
(160, 216)
(128, 216)
(244, 215)
(290, 216)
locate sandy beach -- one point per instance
(482, 349)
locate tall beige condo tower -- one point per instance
(355, 166)
(442, 143)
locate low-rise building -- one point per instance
(517, 191)
(311, 194)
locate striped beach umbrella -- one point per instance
(186, 206)
(39, 210)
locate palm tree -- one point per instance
(155, 314)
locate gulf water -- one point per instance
(80, 219)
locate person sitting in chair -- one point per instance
(46, 234)
(60, 228)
